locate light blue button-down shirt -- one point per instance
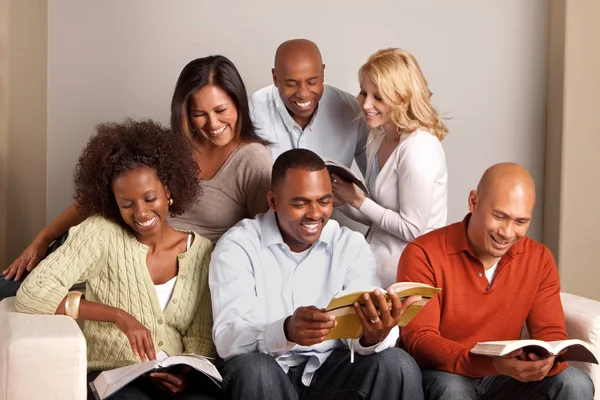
(336, 131)
(256, 283)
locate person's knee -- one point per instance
(574, 383)
(445, 385)
(252, 367)
(396, 359)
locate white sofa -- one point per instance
(44, 357)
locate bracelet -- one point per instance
(72, 304)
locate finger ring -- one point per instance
(374, 321)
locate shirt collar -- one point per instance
(457, 240)
(271, 235)
(287, 119)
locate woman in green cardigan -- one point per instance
(147, 287)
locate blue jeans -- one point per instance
(390, 375)
(570, 384)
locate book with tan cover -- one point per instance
(348, 324)
(575, 349)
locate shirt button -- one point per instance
(160, 343)
(479, 274)
(160, 321)
(182, 276)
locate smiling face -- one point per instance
(142, 201)
(375, 111)
(303, 203)
(214, 116)
(498, 220)
(300, 80)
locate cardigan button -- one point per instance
(182, 276)
(160, 321)
(160, 343)
(175, 300)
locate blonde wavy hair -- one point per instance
(403, 88)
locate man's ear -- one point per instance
(323, 71)
(274, 77)
(272, 201)
(473, 200)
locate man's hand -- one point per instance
(524, 367)
(308, 326)
(378, 324)
(172, 382)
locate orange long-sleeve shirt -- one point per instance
(526, 288)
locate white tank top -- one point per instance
(165, 290)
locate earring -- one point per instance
(170, 202)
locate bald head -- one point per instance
(501, 210)
(295, 51)
(299, 76)
(506, 177)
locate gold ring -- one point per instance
(374, 321)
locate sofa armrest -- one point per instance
(49, 350)
(583, 322)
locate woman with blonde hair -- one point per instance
(406, 171)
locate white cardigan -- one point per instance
(409, 198)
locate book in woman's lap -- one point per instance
(575, 349)
(349, 326)
(109, 382)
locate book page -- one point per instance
(110, 381)
(576, 350)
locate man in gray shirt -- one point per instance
(300, 111)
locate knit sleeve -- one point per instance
(198, 338)
(256, 178)
(76, 260)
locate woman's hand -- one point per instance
(174, 381)
(28, 260)
(139, 336)
(347, 192)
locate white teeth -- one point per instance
(372, 114)
(220, 130)
(310, 226)
(147, 223)
(303, 105)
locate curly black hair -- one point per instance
(121, 147)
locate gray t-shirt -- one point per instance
(237, 191)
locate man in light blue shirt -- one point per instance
(300, 111)
(270, 278)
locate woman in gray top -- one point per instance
(210, 108)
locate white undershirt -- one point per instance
(491, 272)
(165, 290)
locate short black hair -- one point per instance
(121, 147)
(218, 71)
(295, 159)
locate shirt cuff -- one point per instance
(389, 341)
(372, 210)
(277, 343)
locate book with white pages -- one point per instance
(575, 349)
(109, 382)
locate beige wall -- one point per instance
(579, 189)
(4, 12)
(23, 47)
(485, 62)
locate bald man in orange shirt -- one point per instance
(494, 279)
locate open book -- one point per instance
(348, 324)
(346, 174)
(576, 350)
(108, 382)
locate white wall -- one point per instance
(485, 62)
